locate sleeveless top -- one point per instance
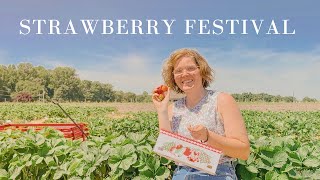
(205, 113)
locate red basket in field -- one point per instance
(69, 130)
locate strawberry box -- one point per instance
(187, 152)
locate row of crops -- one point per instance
(284, 145)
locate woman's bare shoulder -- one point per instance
(225, 100)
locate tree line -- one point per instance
(263, 97)
(25, 82)
(28, 82)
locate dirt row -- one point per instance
(145, 107)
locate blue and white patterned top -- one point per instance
(205, 113)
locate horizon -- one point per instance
(174, 93)
(276, 64)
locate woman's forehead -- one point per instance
(186, 60)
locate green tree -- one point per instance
(66, 84)
(34, 88)
(307, 99)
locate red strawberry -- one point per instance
(171, 149)
(164, 88)
(160, 91)
(187, 152)
(161, 97)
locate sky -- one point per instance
(278, 64)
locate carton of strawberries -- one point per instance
(187, 151)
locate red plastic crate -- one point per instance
(69, 130)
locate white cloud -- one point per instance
(133, 72)
(238, 70)
(263, 70)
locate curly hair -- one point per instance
(206, 71)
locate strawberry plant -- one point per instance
(284, 145)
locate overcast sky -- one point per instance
(275, 64)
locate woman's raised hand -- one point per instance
(160, 98)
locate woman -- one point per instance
(211, 117)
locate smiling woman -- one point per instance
(211, 117)
(88, 26)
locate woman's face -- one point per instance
(187, 74)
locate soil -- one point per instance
(146, 107)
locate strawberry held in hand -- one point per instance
(160, 91)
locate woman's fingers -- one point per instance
(155, 96)
(197, 131)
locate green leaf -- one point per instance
(75, 178)
(80, 169)
(39, 160)
(73, 166)
(294, 158)
(116, 174)
(283, 177)
(90, 171)
(43, 151)
(287, 168)
(295, 174)
(28, 163)
(162, 173)
(311, 162)
(252, 168)
(119, 140)
(105, 148)
(316, 174)
(26, 157)
(137, 138)
(148, 173)
(244, 173)
(164, 161)
(114, 162)
(271, 175)
(263, 164)
(147, 149)
(16, 172)
(280, 159)
(39, 139)
(122, 157)
(303, 152)
(49, 161)
(126, 163)
(46, 175)
(242, 162)
(268, 156)
(153, 163)
(250, 159)
(3, 174)
(306, 173)
(58, 174)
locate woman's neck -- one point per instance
(193, 98)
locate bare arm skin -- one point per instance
(164, 111)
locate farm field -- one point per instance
(285, 142)
(258, 106)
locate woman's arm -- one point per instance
(164, 111)
(236, 143)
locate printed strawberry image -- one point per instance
(187, 151)
(192, 155)
(160, 91)
(179, 146)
